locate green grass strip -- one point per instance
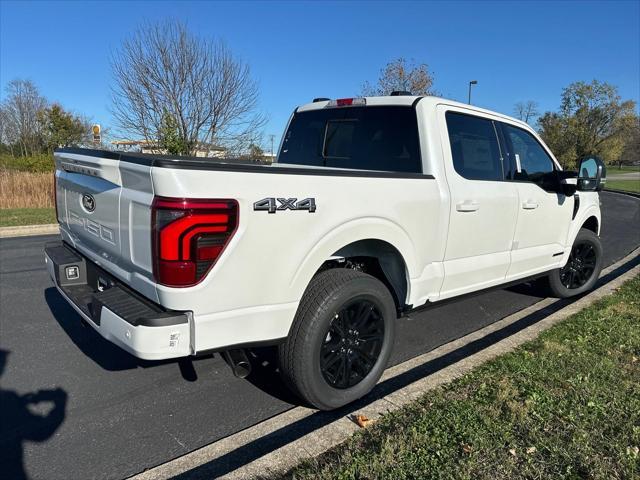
(12, 217)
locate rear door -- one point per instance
(544, 216)
(484, 207)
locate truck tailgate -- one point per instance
(104, 211)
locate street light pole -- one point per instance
(472, 82)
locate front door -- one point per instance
(544, 216)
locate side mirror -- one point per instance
(592, 174)
(566, 182)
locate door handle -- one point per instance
(468, 206)
(530, 205)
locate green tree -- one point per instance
(255, 152)
(61, 128)
(631, 150)
(170, 138)
(593, 120)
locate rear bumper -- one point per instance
(135, 324)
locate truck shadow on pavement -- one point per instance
(289, 433)
(21, 419)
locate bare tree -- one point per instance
(400, 75)
(20, 126)
(163, 71)
(526, 111)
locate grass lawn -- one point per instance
(626, 185)
(612, 169)
(566, 405)
(11, 217)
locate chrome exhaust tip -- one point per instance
(238, 361)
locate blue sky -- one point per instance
(300, 50)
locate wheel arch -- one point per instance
(592, 223)
(379, 259)
(376, 238)
(591, 220)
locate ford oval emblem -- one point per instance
(88, 202)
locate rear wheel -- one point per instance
(341, 338)
(581, 271)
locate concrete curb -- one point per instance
(28, 230)
(623, 192)
(539, 317)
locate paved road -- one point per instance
(75, 407)
(623, 176)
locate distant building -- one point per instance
(148, 146)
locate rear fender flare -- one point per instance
(371, 228)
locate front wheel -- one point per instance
(581, 271)
(341, 338)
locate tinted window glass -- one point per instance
(474, 147)
(366, 138)
(535, 163)
(338, 141)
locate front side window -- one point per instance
(383, 138)
(474, 147)
(527, 153)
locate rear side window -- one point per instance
(535, 163)
(381, 138)
(474, 147)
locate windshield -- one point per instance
(367, 138)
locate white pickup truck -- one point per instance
(375, 206)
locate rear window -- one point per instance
(364, 138)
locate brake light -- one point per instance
(189, 235)
(346, 102)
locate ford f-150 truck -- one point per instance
(375, 206)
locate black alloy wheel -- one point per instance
(340, 340)
(580, 267)
(352, 344)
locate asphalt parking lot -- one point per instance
(75, 406)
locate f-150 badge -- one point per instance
(272, 205)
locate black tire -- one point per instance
(582, 270)
(329, 300)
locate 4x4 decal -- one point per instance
(270, 204)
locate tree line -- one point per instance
(31, 125)
(592, 120)
(185, 93)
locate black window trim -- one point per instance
(501, 146)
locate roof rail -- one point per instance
(400, 93)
